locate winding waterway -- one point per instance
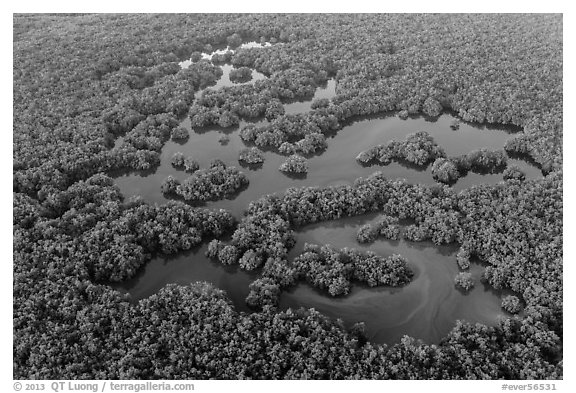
(427, 308)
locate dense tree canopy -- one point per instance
(464, 281)
(511, 304)
(240, 75)
(216, 182)
(385, 226)
(418, 148)
(332, 270)
(95, 94)
(180, 133)
(303, 132)
(251, 155)
(294, 164)
(483, 161)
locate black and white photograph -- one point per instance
(286, 196)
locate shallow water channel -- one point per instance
(427, 308)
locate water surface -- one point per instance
(185, 268)
(427, 308)
(326, 91)
(221, 51)
(337, 165)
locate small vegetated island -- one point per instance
(448, 170)
(95, 95)
(216, 182)
(418, 149)
(251, 155)
(240, 75)
(294, 164)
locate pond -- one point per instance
(426, 309)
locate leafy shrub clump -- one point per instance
(464, 281)
(240, 75)
(195, 56)
(274, 110)
(320, 103)
(216, 182)
(385, 226)
(418, 148)
(331, 269)
(511, 304)
(214, 248)
(366, 234)
(294, 164)
(483, 161)
(311, 143)
(445, 171)
(169, 185)
(228, 255)
(221, 58)
(178, 160)
(179, 133)
(512, 172)
(191, 165)
(415, 233)
(432, 107)
(287, 148)
(305, 128)
(263, 292)
(486, 161)
(251, 155)
(463, 258)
